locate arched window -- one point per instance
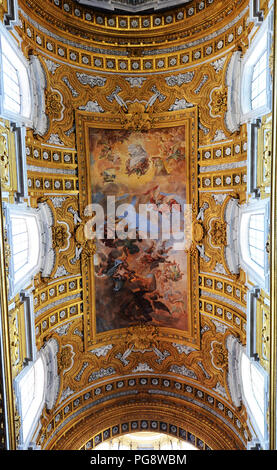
(256, 79)
(30, 391)
(15, 87)
(24, 238)
(253, 235)
(259, 82)
(36, 386)
(254, 386)
(24, 234)
(256, 238)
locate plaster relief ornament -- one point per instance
(218, 64)
(219, 355)
(136, 118)
(179, 79)
(55, 140)
(90, 80)
(219, 135)
(59, 236)
(218, 233)
(86, 245)
(102, 351)
(181, 348)
(63, 330)
(93, 107)
(142, 367)
(53, 105)
(4, 162)
(135, 81)
(142, 337)
(218, 102)
(65, 359)
(52, 66)
(180, 104)
(183, 370)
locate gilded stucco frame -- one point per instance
(85, 121)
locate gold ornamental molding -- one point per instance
(134, 52)
(69, 17)
(273, 258)
(85, 122)
(9, 406)
(194, 420)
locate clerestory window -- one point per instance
(259, 82)
(30, 387)
(15, 85)
(254, 385)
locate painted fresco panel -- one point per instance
(140, 279)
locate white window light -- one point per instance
(253, 234)
(257, 239)
(254, 386)
(25, 245)
(24, 234)
(255, 85)
(30, 386)
(259, 82)
(252, 242)
(15, 82)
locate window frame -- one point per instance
(22, 211)
(25, 83)
(253, 363)
(255, 273)
(24, 441)
(261, 43)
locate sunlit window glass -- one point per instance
(256, 239)
(259, 83)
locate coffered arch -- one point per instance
(177, 417)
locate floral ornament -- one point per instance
(219, 356)
(59, 236)
(53, 105)
(65, 358)
(136, 118)
(218, 103)
(4, 161)
(142, 337)
(218, 233)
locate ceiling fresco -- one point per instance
(137, 113)
(140, 180)
(140, 278)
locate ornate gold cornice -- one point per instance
(134, 52)
(9, 406)
(191, 418)
(187, 21)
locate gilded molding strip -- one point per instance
(119, 61)
(118, 430)
(57, 317)
(96, 395)
(229, 179)
(273, 255)
(216, 297)
(221, 286)
(234, 319)
(7, 367)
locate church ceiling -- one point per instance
(158, 87)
